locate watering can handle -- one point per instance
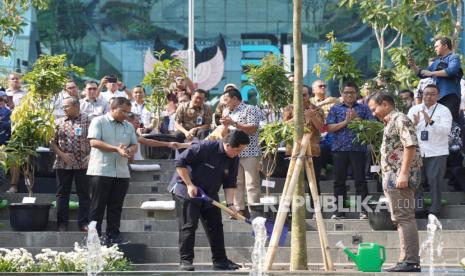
(384, 253)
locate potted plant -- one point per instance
(370, 133)
(341, 66)
(33, 126)
(275, 93)
(160, 79)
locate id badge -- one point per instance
(199, 121)
(424, 135)
(78, 131)
(389, 180)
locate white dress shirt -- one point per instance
(16, 95)
(438, 133)
(144, 114)
(94, 108)
(107, 95)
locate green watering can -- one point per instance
(370, 257)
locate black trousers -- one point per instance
(452, 101)
(200, 134)
(342, 160)
(108, 193)
(64, 182)
(188, 212)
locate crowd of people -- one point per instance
(99, 130)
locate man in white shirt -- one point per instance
(14, 92)
(93, 105)
(111, 83)
(70, 90)
(433, 122)
(140, 108)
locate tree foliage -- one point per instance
(33, 120)
(340, 65)
(370, 133)
(271, 81)
(408, 21)
(12, 21)
(159, 80)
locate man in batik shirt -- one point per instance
(400, 166)
(72, 154)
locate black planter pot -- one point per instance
(29, 216)
(157, 152)
(380, 219)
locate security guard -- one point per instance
(206, 165)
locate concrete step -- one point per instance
(135, 200)
(241, 255)
(150, 225)
(130, 213)
(313, 268)
(165, 239)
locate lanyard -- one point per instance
(431, 116)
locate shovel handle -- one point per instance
(204, 196)
(229, 211)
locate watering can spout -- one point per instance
(351, 254)
(346, 250)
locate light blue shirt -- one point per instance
(107, 129)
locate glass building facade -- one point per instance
(118, 37)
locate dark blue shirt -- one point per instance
(451, 83)
(209, 167)
(343, 139)
(5, 125)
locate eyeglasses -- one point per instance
(322, 86)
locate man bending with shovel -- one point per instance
(202, 170)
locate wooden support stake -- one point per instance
(285, 203)
(327, 260)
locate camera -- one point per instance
(111, 79)
(442, 65)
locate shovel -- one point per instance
(268, 223)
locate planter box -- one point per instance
(157, 152)
(29, 216)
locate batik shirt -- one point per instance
(315, 133)
(329, 102)
(71, 137)
(247, 114)
(189, 116)
(344, 138)
(399, 133)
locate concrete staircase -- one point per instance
(158, 230)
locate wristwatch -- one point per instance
(229, 204)
(235, 124)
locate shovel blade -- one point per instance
(269, 225)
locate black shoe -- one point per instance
(186, 265)
(404, 267)
(225, 265)
(117, 240)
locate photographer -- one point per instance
(446, 72)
